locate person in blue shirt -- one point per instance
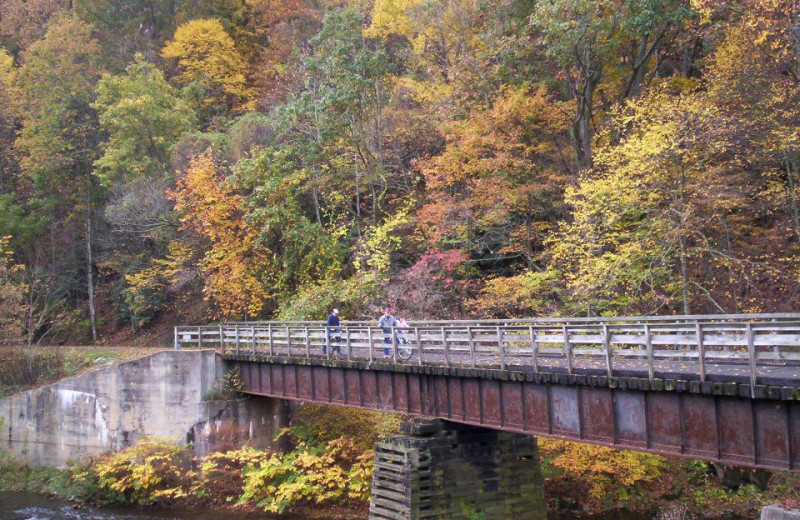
(387, 322)
(333, 321)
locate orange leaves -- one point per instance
(205, 203)
(499, 171)
(233, 265)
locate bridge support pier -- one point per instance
(444, 471)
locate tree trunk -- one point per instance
(682, 245)
(581, 124)
(89, 268)
(791, 174)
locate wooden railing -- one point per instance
(611, 344)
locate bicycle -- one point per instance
(404, 350)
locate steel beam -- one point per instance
(730, 429)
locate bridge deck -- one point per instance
(751, 349)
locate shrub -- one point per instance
(230, 387)
(608, 476)
(332, 460)
(325, 423)
(221, 473)
(328, 472)
(150, 472)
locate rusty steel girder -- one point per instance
(718, 423)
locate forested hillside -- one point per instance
(166, 160)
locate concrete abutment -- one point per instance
(445, 471)
(160, 395)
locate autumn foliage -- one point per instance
(452, 159)
(209, 206)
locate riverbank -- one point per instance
(332, 481)
(325, 473)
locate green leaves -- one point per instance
(144, 116)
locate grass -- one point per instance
(24, 368)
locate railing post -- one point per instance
(369, 343)
(701, 351)
(288, 341)
(308, 342)
(419, 344)
(567, 349)
(221, 339)
(270, 340)
(238, 341)
(176, 345)
(751, 350)
(502, 350)
(199, 337)
(471, 347)
(394, 345)
(253, 339)
(651, 371)
(347, 341)
(535, 348)
(446, 348)
(607, 350)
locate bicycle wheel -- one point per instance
(404, 351)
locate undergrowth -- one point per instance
(329, 464)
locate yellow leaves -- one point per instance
(8, 96)
(147, 472)
(606, 471)
(210, 206)
(531, 293)
(660, 186)
(392, 17)
(156, 471)
(205, 53)
(331, 471)
(380, 242)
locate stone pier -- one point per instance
(444, 471)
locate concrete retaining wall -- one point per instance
(776, 513)
(113, 407)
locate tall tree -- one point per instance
(59, 137)
(144, 116)
(24, 21)
(336, 124)
(282, 26)
(205, 53)
(496, 189)
(235, 264)
(589, 37)
(661, 221)
(451, 53)
(8, 121)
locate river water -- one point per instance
(29, 506)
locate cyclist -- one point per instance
(333, 321)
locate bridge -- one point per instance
(722, 388)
